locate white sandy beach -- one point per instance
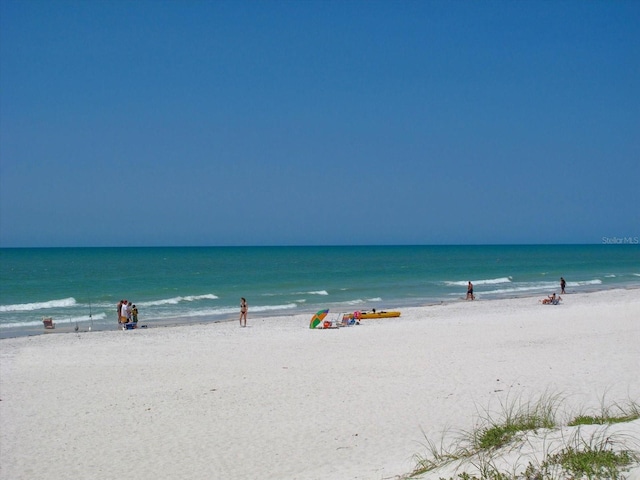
(277, 400)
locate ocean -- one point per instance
(80, 287)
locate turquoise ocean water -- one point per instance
(81, 286)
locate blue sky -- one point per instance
(318, 122)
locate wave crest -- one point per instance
(597, 281)
(490, 281)
(177, 300)
(27, 307)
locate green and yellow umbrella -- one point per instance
(318, 317)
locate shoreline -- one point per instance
(67, 327)
(278, 400)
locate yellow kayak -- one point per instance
(365, 315)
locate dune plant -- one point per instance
(618, 413)
(439, 454)
(592, 463)
(600, 456)
(492, 432)
(514, 418)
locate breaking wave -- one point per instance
(27, 307)
(491, 281)
(234, 310)
(597, 281)
(282, 294)
(177, 300)
(58, 321)
(539, 286)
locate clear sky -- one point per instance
(318, 122)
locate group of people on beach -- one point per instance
(127, 312)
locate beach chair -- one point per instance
(48, 323)
(348, 320)
(551, 301)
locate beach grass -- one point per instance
(617, 413)
(597, 454)
(514, 418)
(591, 461)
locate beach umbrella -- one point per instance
(318, 317)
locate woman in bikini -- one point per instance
(243, 312)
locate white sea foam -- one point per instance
(597, 281)
(232, 311)
(357, 301)
(522, 288)
(81, 318)
(27, 307)
(318, 292)
(491, 281)
(268, 308)
(177, 300)
(32, 323)
(60, 321)
(540, 286)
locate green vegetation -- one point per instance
(591, 420)
(609, 415)
(592, 461)
(516, 418)
(600, 455)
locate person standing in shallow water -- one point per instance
(243, 312)
(562, 285)
(470, 291)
